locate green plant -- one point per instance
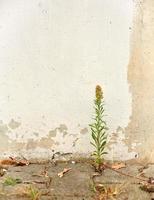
(33, 193)
(11, 181)
(98, 127)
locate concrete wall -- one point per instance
(141, 78)
(52, 55)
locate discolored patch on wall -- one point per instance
(112, 140)
(17, 146)
(3, 128)
(117, 147)
(36, 134)
(65, 133)
(3, 137)
(56, 143)
(62, 129)
(53, 133)
(31, 144)
(74, 142)
(13, 124)
(46, 143)
(84, 131)
(141, 79)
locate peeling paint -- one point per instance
(3, 137)
(62, 129)
(3, 128)
(74, 142)
(13, 124)
(57, 143)
(53, 133)
(31, 144)
(65, 133)
(84, 131)
(45, 143)
(36, 134)
(118, 140)
(54, 114)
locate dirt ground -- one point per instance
(40, 181)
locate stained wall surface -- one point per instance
(52, 55)
(140, 129)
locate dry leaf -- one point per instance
(13, 161)
(96, 174)
(109, 192)
(44, 173)
(2, 171)
(117, 166)
(20, 162)
(61, 174)
(147, 187)
(7, 162)
(151, 180)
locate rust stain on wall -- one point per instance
(141, 79)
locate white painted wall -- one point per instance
(52, 54)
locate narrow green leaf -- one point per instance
(103, 153)
(93, 136)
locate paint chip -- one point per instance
(14, 124)
(84, 131)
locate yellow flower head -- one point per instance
(99, 92)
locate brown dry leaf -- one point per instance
(45, 172)
(13, 161)
(110, 192)
(151, 180)
(2, 171)
(147, 187)
(95, 174)
(61, 174)
(20, 162)
(117, 166)
(7, 162)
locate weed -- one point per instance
(92, 187)
(98, 128)
(108, 192)
(11, 181)
(34, 193)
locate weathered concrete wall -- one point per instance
(52, 54)
(141, 78)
